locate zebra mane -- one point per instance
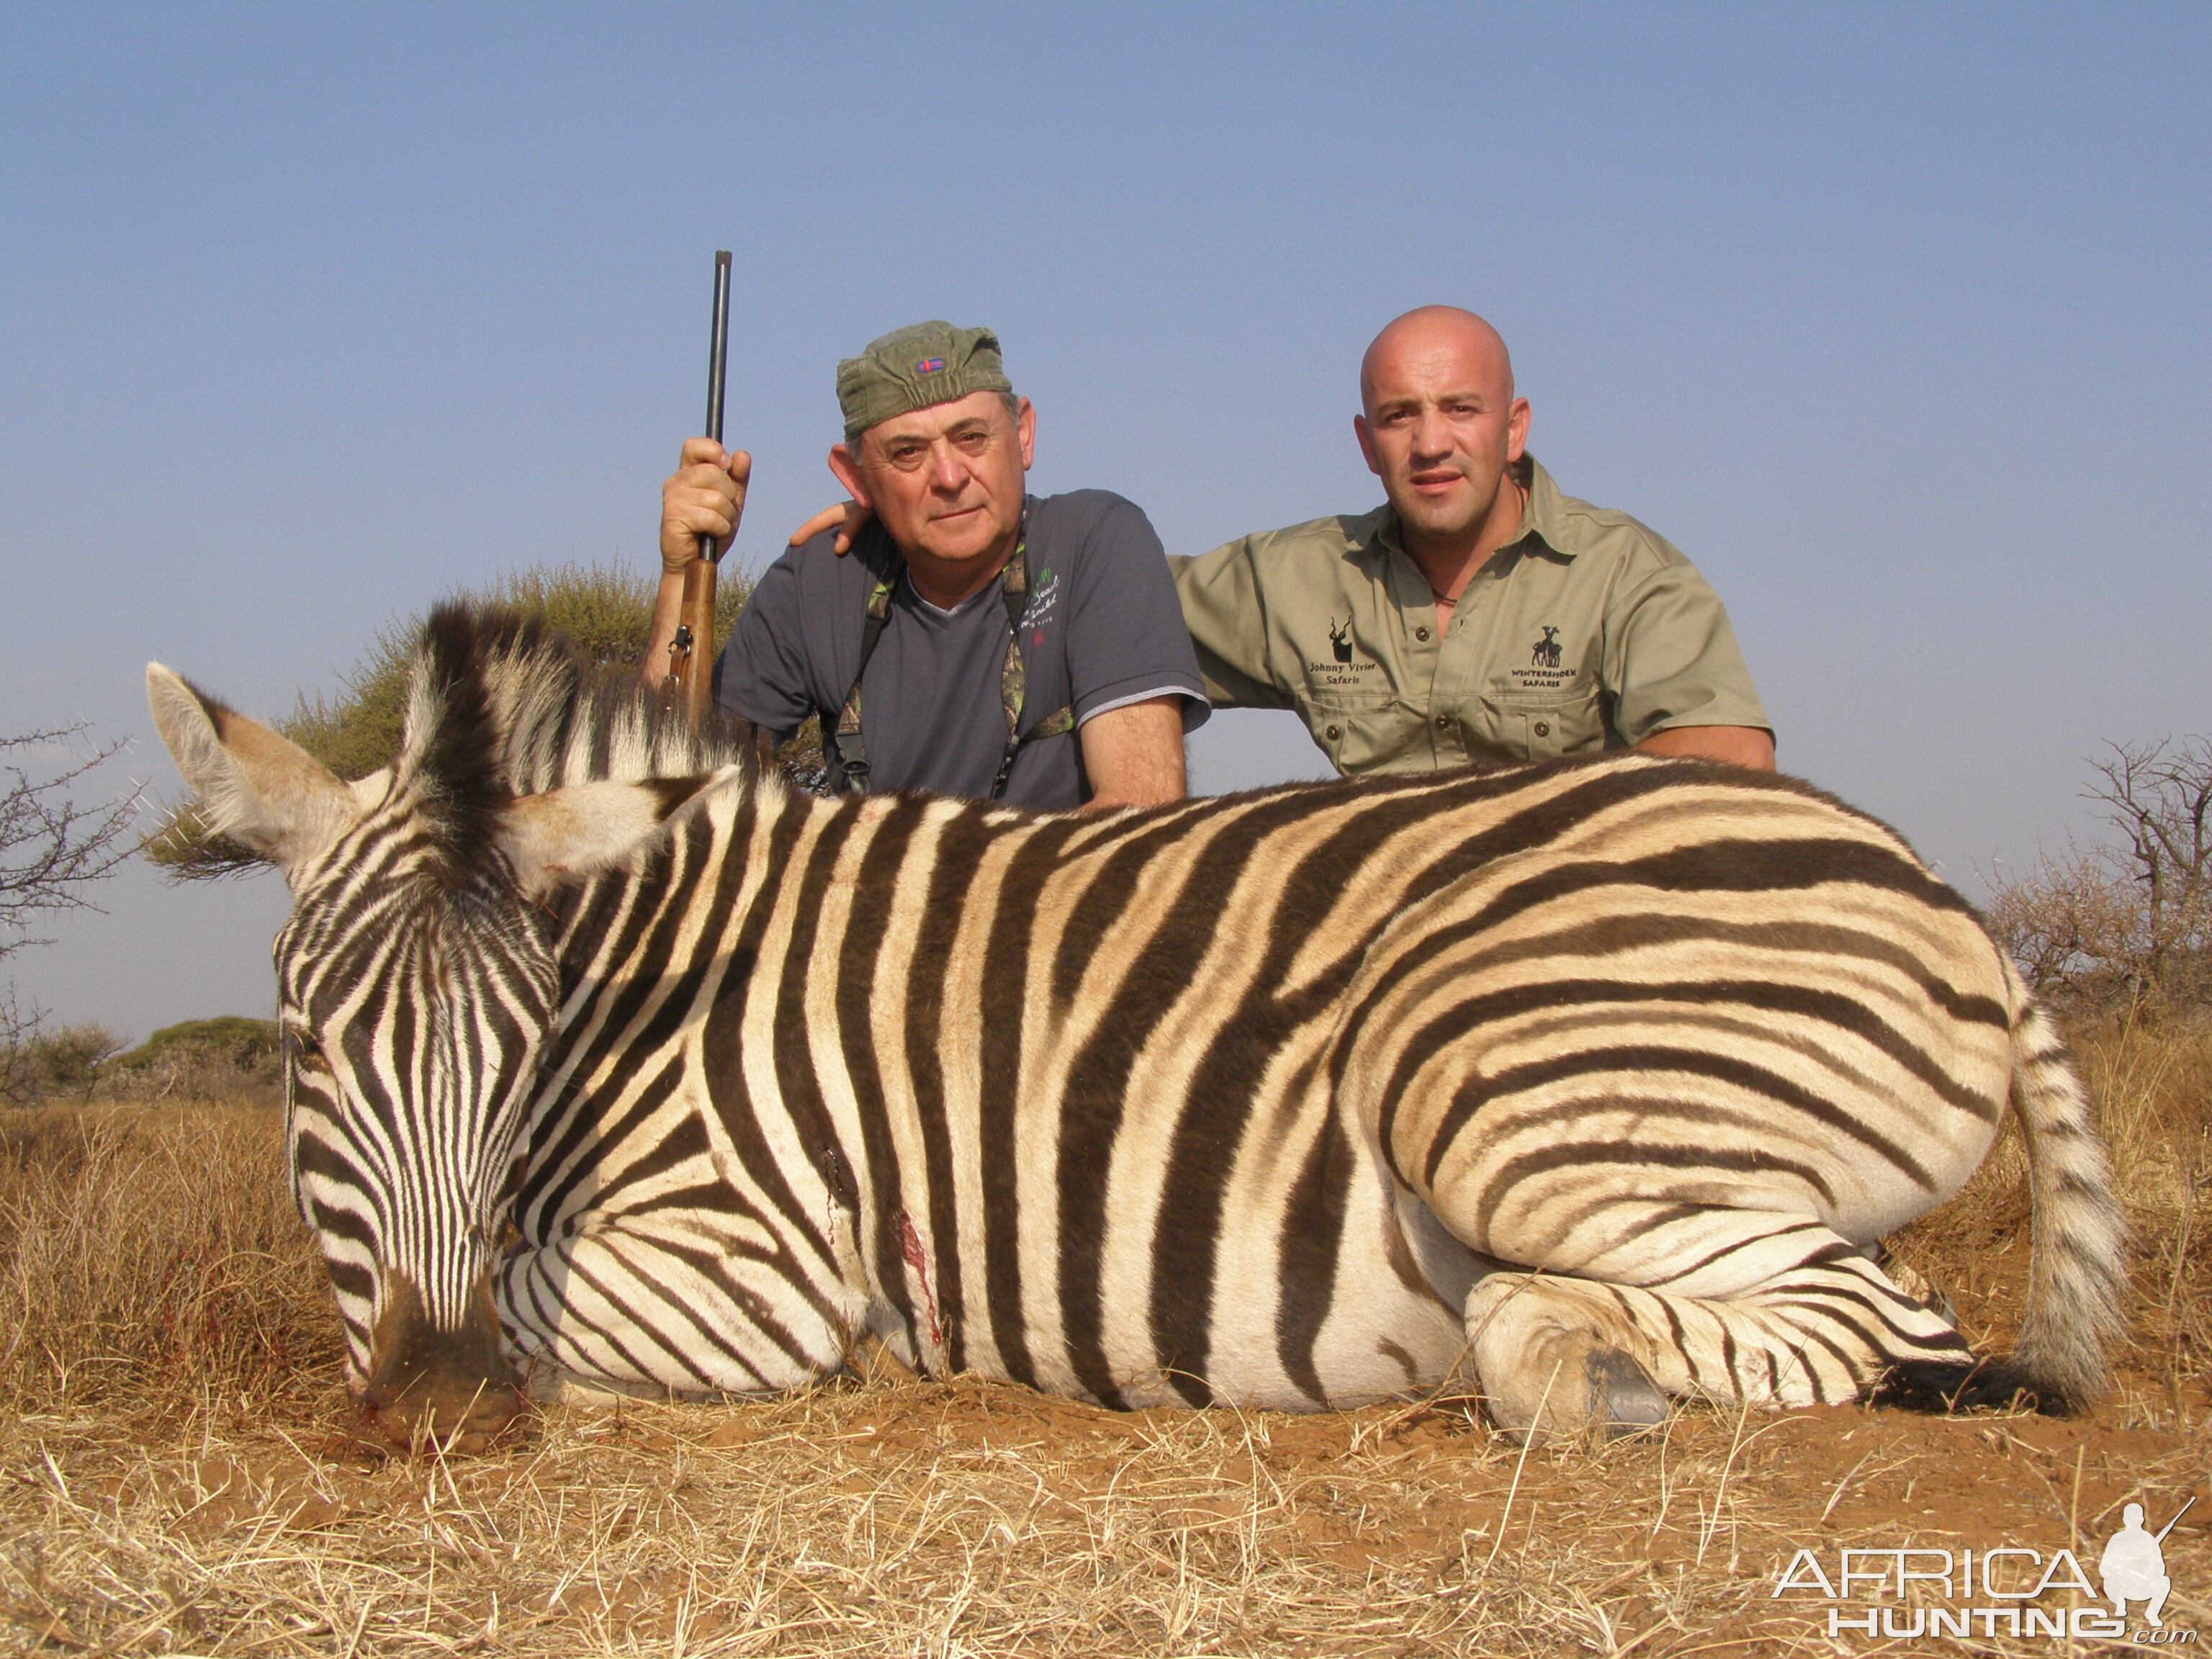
(499, 705)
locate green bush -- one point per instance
(245, 1041)
(230, 1058)
(607, 608)
(61, 1064)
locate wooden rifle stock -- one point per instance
(691, 652)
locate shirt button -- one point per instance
(1420, 633)
(1543, 728)
(1333, 734)
(1443, 722)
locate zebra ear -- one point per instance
(566, 835)
(255, 787)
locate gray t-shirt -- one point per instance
(1103, 628)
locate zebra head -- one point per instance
(416, 981)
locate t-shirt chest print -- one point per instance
(1044, 599)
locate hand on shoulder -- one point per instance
(847, 519)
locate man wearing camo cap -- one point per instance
(979, 640)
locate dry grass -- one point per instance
(169, 1391)
(148, 1254)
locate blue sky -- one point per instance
(1892, 318)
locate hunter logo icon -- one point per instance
(1340, 639)
(1545, 654)
(2133, 1566)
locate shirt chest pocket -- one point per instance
(1357, 729)
(1545, 725)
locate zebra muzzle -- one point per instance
(429, 1386)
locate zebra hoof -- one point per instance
(1556, 1362)
(1613, 1394)
(1623, 1397)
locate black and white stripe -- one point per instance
(1616, 1069)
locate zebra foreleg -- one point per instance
(1559, 1355)
(620, 1308)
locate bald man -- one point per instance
(1480, 614)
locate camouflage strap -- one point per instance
(852, 748)
(1014, 678)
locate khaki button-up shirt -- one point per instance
(1587, 632)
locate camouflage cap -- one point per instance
(913, 368)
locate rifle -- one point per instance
(691, 652)
(2176, 1521)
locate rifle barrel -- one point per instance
(692, 653)
(2176, 1521)
(718, 361)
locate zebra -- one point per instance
(614, 1064)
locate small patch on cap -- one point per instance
(929, 366)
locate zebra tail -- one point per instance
(2077, 1269)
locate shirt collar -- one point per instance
(1543, 509)
(906, 580)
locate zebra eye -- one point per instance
(307, 1054)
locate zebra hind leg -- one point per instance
(1919, 1385)
(1563, 1356)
